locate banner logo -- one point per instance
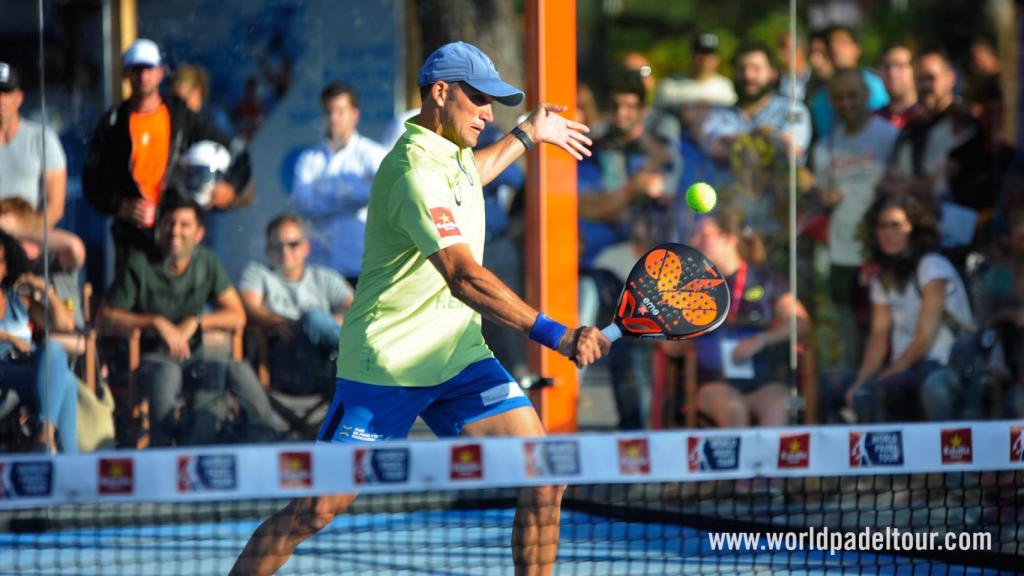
(956, 446)
(204, 472)
(117, 476)
(552, 458)
(467, 462)
(634, 457)
(795, 450)
(713, 453)
(295, 470)
(26, 479)
(1017, 444)
(381, 465)
(876, 448)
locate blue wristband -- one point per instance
(547, 332)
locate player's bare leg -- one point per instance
(535, 529)
(273, 543)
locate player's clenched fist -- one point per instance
(584, 345)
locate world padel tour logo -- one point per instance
(876, 448)
(795, 450)
(444, 222)
(1017, 444)
(552, 458)
(31, 479)
(634, 457)
(467, 462)
(380, 465)
(295, 470)
(203, 472)
(712, 453)
(117, 476)
(956, 446)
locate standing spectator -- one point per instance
(191, 83)
(984, 90)
(705, 84)
(942, 151)
(742, 365)
(819, 62)
(40, 375)
(847, 167)
(801, 74)
(753, 138)
(897, 69)
(164, 293)
(919, 304)
(844, 51)
(136, 143)
(300, 307)
(332, 184)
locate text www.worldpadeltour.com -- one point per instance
(867, 539)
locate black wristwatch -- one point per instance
(523, 137)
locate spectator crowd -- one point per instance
(910, 243)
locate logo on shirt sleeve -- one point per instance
(444, 222)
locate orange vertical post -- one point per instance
(551, 240)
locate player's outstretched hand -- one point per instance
(546, 124)
(584, 345)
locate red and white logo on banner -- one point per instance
(467, 462)
(956, 446)
(1017, 444)
(295, 470)
(634, 457)
(444, 222)
(116, 476)
(795, 450)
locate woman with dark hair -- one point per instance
(40, 377)
(742, 365)
(918, 305)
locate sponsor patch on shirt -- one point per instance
(444, 222)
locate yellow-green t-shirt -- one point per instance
(405, 328)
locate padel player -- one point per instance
(411, 343)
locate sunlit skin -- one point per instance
(754, 73)
(10, 103)
(288, 251)
(893, 231)
(341, 119)
(179, 234)
(465, 113)
(843, 50)
(145, 82)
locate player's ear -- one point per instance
(439, 93)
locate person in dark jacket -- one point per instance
(136, 146)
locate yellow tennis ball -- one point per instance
(701, 197)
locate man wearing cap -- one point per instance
(411, 343)
(706, 85)
(137, 142)
(23, 144)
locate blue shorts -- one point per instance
(369, 413)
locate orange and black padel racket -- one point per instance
(672, 293)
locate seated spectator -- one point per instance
(742, 366)
(919, 306)
(299, 307)
(163, 294)
(22, 146)
(706, 84)
(844, 51)
(40, 376)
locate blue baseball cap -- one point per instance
(462, 62)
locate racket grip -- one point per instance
(612, 332)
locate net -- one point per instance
(901, 499)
